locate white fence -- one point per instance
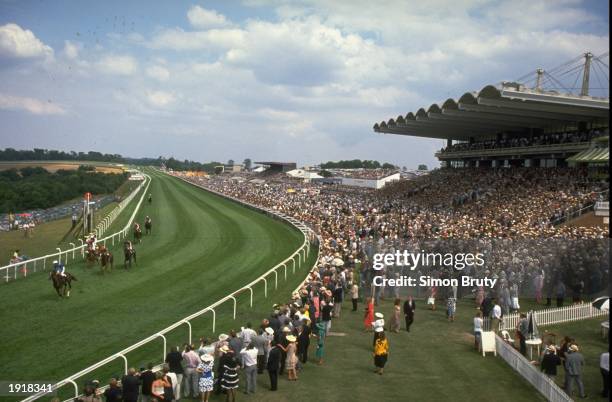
(296, 259)
(547, 387)
(549, 316)
(11, 271)
(105, 223)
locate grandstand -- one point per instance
(513, 125)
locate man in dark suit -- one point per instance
(273, 366)
(147, 377)
(304, 341)
(409, 307)
(130, 384)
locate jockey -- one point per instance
(147, 220)
(128, 245)
(59, 268)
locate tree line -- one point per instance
(39, 154)
(36, 188)
(357, 164)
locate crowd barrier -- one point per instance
(549, 316)
(547, 387)
(296, 259)
(11, 271)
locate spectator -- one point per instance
(191, 363)
(158, 387)
(550, 361)
(354, 295)
(89, 395)
(249, 363)
(247, 334)
(496, 315)
(147, 377)
(573, 366)
(368, 318)
(522, 328)
(229, 378)
(175, 363)
(273, 365)
(131, 385)
(259, 341)
(451, 307)
(604, 366)
(303, 341)
(206, 379)
(292, 360)
(113, 393)
(170, 390)
(395, 318)
(381, 350)
(478, 323)
(320, 342)
(409, 307)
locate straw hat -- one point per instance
(379, 315)
(286, 329)
(269, 331)
(223, 337)
(379, 329)
(291, 338)
(574, 348)
(206, 358)
(224, 349)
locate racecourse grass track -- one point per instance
(202, 248)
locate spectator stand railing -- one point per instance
(13, 271)
(296, 259)
(575, 213)
(546, 386)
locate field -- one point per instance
(54, 166)
(202, 248)
(49, 235)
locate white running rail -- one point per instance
(296, 259)
(11, 271)
(105, 223)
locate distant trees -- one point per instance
(422, 167)
(230, 162)
(35, 187)
(38, 154)
(357, 164)
(247, 164)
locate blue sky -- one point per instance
(265, 79)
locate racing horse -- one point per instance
(148, 225)
(92, 256)
(137, 233)
(130, 254)
(106, 261)
(62, 284)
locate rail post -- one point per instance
(251, 291)
(165, 345)
(125, 362)
(59, 250)
(76, 388)
(234, 299)
(188, 325)
(73, 250)
(275, 279)
(214, 319)
(285, 266)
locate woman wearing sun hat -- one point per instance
(229, 378)
(206, 381)
(320, 328)
(291, 360)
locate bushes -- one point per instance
(36, 188)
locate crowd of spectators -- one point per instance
(527, 141)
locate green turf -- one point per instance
(46, 237)
(202, 248)
(587, 334)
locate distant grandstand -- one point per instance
(513, 125)
(278, 167)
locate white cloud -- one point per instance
(31, 105)
(71, 50)
(160, 98)
(117, 65)
(158, 72)
(202, 18)
(19, 43)
(213, 39)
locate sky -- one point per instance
(280, 80)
